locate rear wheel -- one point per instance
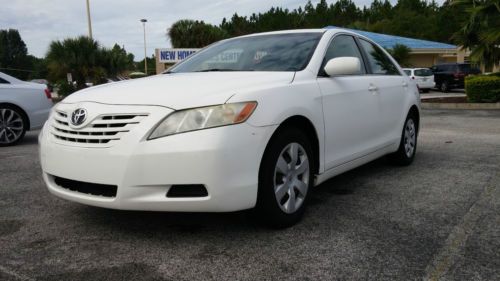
(12, 125)
(444, 87)
(285, 178)
(408, 144)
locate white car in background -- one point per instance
(23, 106)
(423, 77)
(249, 122)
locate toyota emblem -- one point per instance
(78, 116)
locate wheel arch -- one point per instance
(304, 124)
(416, 112)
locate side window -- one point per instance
(342, 46)
(3, 81)
(378, 60)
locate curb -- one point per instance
(431, 105)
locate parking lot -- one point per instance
(438, 218)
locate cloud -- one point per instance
(117, 21)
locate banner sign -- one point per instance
(174, 55)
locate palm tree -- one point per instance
(401, 53)
(481, 33)
(81, 56)
(194, 34)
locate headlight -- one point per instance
(203, 118)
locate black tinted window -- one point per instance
(467, 68)
(378, 60)
(3, 81)
(343, 46)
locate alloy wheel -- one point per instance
(291, 178)
(11, 126)
(410, 137)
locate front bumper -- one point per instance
(225, 160)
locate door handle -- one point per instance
(405, 85)
(372, 88)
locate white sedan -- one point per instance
(23, 106)
(250, 122)
(423, 77)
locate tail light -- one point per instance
(48, 94)
(458, 74)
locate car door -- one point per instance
(350, 109)
(390, 88)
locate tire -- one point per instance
(444, 87)
(13, 125)
(405, 154)
(277, 179)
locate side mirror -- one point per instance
(343, 66)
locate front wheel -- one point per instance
(408, 145)
(285, 178)
(12, 125)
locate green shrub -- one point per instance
(65, 88)
(483, 88)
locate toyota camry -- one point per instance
(253, 122)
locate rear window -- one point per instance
(3, 81)
(423, 72)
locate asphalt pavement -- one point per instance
(438, 219)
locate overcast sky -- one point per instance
(117, 21)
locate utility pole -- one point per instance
(88, 20)
(145, 53)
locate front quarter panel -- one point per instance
(280, 102)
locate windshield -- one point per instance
(279, 52)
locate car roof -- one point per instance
(333, 30)
(12, 80)
(288, 31)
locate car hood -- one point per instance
(180, 90)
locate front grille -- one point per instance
(102, 131)
(87, 187)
